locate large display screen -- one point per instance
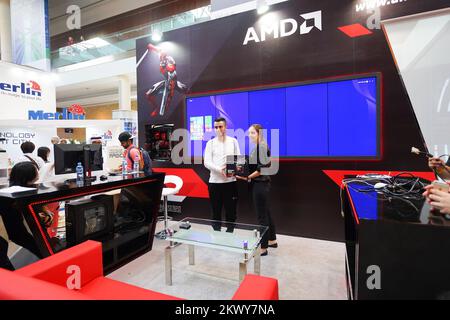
(337, 119)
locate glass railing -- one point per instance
(124, 41)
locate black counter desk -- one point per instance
(142, 192)
(409, 244)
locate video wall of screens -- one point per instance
(328, 119)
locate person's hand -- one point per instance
(435, 163)
(224, 172)
(439, 200)
(427, 191)
(241, 178)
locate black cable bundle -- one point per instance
(402, 187)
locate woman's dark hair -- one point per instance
(23, 174)
(43, 153)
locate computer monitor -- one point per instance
(67, 157)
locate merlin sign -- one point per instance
(74, 112)
(23, 89)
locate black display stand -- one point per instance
(127, 239)
(408, 243)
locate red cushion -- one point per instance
(108, 289)
(255, 287)
(87, 256)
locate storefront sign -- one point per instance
(23, 89)
(32, 88)
(64, 115)
(284, 28)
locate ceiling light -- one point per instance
(156, 36)
(262, 6)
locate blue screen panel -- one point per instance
(268, 108)
(329, 119)
(307, 120)
(200, 113)
(352, 112)
(234, 108)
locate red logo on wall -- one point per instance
(76, 109)
(35, 86)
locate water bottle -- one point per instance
(136, 164)
(124, 166)
(80, 173)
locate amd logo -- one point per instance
(284, 28)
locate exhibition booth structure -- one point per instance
(340, 88)
(336, 87)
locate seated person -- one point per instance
(23, 174)
(440, 167)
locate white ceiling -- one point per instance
(93, 92)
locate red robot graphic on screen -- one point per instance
(166, 87)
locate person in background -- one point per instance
(96, 140)
(260, 186)
(131, 151)
(28, 149)
(47, 170)
(24, 174)
(44, 153)
(222, 189)
(55, 140)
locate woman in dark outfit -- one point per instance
(260, 186)
(23, 174)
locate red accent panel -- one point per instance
(193, 185)
(257, 288)
(338, 175)
(355, 30)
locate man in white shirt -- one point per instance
(28, 149)
(222, 189)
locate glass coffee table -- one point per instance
(240, 238)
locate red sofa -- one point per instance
(47, 279)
